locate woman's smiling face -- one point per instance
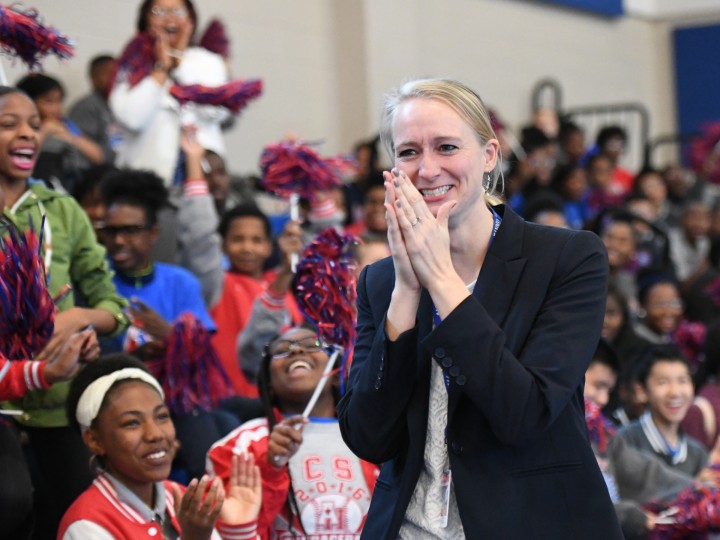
(442, 155)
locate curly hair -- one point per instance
(135, 188)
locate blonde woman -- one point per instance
(473, 340)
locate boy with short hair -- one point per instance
(633, 477)
(664, 376)
(92, 112)
(247, 243)
(602, 374)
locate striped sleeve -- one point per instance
(244, 531)
(272, 300)
(19, 377)
(195, 188)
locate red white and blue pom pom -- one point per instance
(713, 291)
(700, 150)
(234, 95)
(190, 372)
(28, 311)
(215, 39)
(344, 165)
(325, 290)
(689, 337)
(137, 60)
(293, 168)
(600, 428)
(24, 36)
(695, 513)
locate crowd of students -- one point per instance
(661, 230)
(159, 243)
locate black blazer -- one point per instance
(516, 352)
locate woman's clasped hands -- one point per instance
(419, 242)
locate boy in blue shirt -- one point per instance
(160, 294)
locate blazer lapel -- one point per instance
(499, 277)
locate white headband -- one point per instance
(91, 399)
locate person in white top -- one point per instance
(158, 57)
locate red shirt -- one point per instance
(232, 313)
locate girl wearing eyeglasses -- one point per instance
(166, 310)
(312, 482)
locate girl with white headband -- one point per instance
(120, 410)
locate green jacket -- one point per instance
(76, 258)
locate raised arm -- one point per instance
(197, 222)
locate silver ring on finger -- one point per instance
(416, 222)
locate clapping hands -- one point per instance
(206, 500)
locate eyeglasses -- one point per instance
(108, 231)
(285, 347)
(179, 12)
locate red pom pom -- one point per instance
(137, 60)
(700, 150)
(713, 291)
(291, 167)
(28, 311)
(600, 429)
(234, 95)
(696, 512)
(215, 39)
(190, 372)
(326, 287)
(23, 35)
(689, 337)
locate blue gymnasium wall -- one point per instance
(697, 76)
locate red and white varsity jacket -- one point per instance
(19, 377)
(99, 510)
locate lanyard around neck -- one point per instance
(497, 220)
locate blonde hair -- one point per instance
(464, 101)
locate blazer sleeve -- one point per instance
(521, 390)
(372, 413)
